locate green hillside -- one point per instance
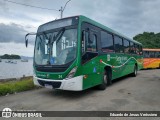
(6, 56)
(148, 39)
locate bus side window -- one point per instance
(126, 46)
(158, 54)
(107, 42)
(136, 49)
(132, 49)
(85, 36)
(118, 43)
(151, 54)
(146, 54)
(91, 44)
(140, 50)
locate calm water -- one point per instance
(10, 70)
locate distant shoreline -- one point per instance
(14, 79)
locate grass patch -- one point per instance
(11, 87)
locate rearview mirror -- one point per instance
(26, 40)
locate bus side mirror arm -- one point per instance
(26, 40)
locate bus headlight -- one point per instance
(72, 72)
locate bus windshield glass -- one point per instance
(56, 47)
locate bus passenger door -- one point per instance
(90, 63)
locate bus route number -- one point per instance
(59, 76)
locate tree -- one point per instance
(148, 39)
(6, 56)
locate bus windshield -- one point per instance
(56, 47)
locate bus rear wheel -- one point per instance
(134, 74)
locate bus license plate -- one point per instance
(48, 86)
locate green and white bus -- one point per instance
(77, 53)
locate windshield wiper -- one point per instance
(45, 35)
(58, 35)
(52, 40)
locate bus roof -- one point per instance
(148, 49)
(83, 18)
(86, 19)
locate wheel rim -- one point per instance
(135, 71)
(105, 78)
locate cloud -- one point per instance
(3, 6)
(16, 48)
(12, 33)
(129, 17)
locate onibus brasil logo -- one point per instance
(7, 113)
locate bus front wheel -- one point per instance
(105, 81)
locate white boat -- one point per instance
(7, 61)
(13, 62)
(10, 61)
(24, 60)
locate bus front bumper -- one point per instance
(72, 84)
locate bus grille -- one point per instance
(54, 84)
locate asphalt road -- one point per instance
(141, 93)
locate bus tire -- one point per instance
(109, 82)
(105, 80)
(134, 74)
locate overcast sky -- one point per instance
(129, 17)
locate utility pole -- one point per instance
(62, 8)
